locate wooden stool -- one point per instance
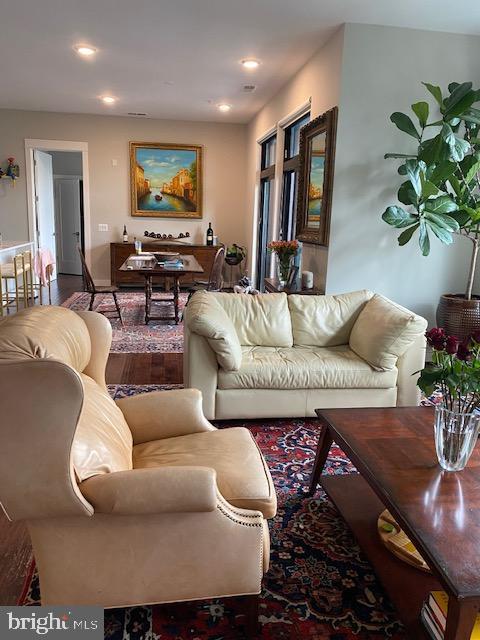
(13, 271)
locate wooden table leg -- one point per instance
(460, 619)
(176, 289)
(148, 297)
(323, 447)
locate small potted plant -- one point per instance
(235, 254)
(455, 371)
(285, 250)
(441, 188)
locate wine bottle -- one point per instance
(209, 235)
(125, 234)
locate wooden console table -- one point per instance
(120, 251)
(393, 449)
(272, 285)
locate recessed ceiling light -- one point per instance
(223, 106)
(250, 63)
(108, 99)
(85, 50)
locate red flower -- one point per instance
(436, 338)
(463, 352)
(451, 345)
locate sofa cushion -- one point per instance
(259, 320)
(103, 441)
(325, 321)
(46, 332)
(243, 478)
(384, 331)
(304, 368)
(207, 318)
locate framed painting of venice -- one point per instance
(165, 180)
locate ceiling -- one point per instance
(180, 58)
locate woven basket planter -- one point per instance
(459, 317)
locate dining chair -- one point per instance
(90, 287)
(215, 279)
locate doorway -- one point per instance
(58, 201)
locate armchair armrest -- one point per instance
(150, 491)
(164, 414)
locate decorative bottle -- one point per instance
(125, 234)
(209, 235)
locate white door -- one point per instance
(45, 210)
(68, 225)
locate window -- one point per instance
(291, 165)
(267, 176)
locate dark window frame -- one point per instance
(267, 175)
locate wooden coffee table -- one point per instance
(393, 449)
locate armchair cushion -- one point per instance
(103, 441)
(384, 331)
(242, 475)
(207, 318)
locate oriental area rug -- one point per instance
(159, 336)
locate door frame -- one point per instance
(57, 145)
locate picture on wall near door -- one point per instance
(166, 180)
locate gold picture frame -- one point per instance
(166, 180)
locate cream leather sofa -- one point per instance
(274, 355)
(139, 501)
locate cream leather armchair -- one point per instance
(139, 501)
(279, 356)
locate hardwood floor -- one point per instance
(122, 368)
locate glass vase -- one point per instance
(455, 437)
(283, 269)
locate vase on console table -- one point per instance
(285, 251)
(454, 372)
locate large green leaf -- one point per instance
(405, 124)
(442, 220)
(456, 186)
(423, 239)
(414, 171)
(428, 188)
(442, 234)
(472, 172)
(459, 100)
(442, 171)
(406, 193)
(462, 217)
(435, 91)
(434, 150)
(421, 110)
(406, 235)
(442, 204)
(458, 146)
(398, 217)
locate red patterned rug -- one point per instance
(162, 336)
(319, 586)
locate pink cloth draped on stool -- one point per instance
(44, 264)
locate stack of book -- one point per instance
(434, 616)
(176, 263)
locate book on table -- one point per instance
(434, 616)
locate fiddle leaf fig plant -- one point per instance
(441, 190)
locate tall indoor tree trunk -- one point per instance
(471, 273)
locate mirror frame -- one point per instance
(327, 123)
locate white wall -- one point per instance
(319, 80)
(108, 138)
(382, 71)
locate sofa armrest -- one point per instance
(164, 414)
(150, 491)
(413, 360)
(100, 331)
(200, 370)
